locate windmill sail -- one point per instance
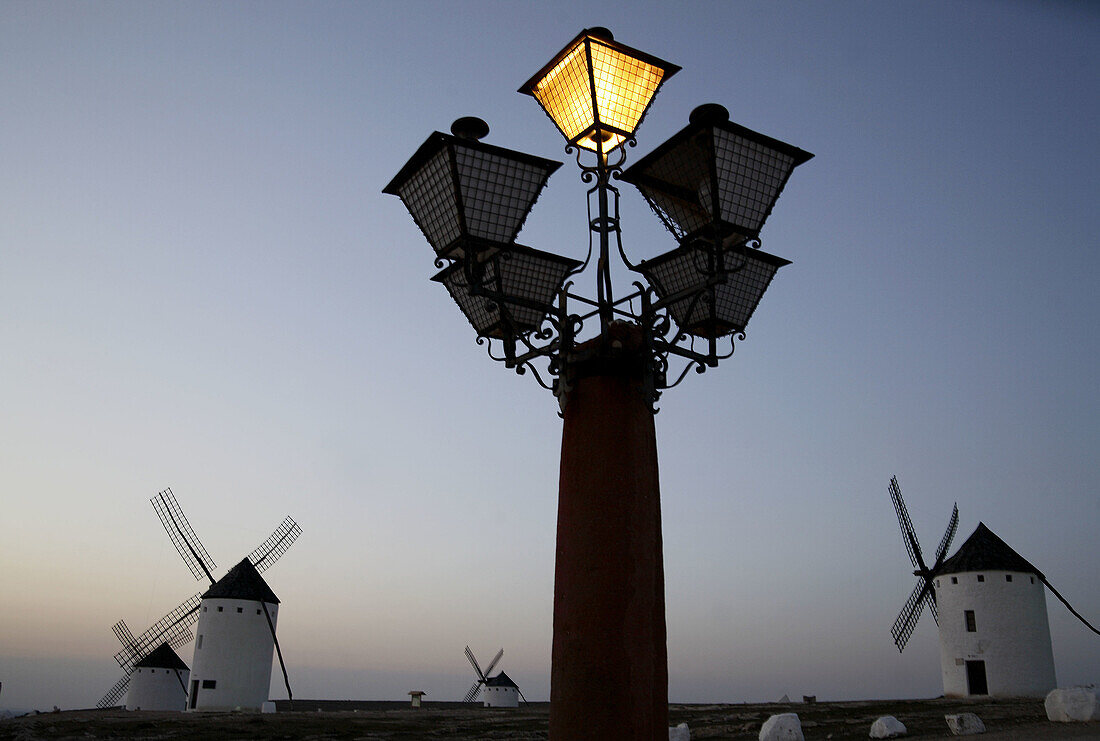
(907, 533)
(493, 663)
(115, 693)
(175, 625)
(471, 694)
(182, 536)
(924, 593)
(945, 543)
(276, 545)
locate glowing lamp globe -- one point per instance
(596, 90)
(468, 197)
(715, 176)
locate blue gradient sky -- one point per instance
(202, 287)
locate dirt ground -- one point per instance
(381, 721)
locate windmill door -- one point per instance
(975, 678)
(194, 694)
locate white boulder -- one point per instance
(964, 724)
(887, 727)
(679, 733)
(1072, 704)
(782, 727)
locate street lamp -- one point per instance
(596, 90)
(607, 360)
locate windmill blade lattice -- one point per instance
(115, 693)
(925, 592)
(276, 545)
(471, 694)
(907, 533)
(182, 536)
(906, 621)
(174, 624)
(129, 643)
(948, 536)
(493, 663)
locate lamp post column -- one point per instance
(609, 677)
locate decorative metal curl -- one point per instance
(534, 372)
(613, 169)
(699, 368)
(482, 340)
(733, 345)
(543, 334)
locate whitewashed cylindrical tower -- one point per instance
(158, 682)
(994, 634)
(234, 643)
(500, 692)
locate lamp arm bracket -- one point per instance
(489, 348)
(699, 366)
(521, 369)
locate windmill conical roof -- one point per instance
(242, 582)
(162, 657)
(501, 680)
(984, 551)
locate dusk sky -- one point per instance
(202, 287)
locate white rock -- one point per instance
(782, 727)
(679, 733)
(964, 724)
(1070, 704)
(887, 727)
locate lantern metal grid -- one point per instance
(713, 185)
(468, 195)
(596, 90)
(509, 294)
(715, 173)
(706, 301)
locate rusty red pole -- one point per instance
(609, 678)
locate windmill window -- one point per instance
(257, 612)
(221, 608)
(971, 623)
(241, 609)
(981, 577)
(1008, 577)
(954, 580)
(1033, 580)
(209, 684)
(204, 609)
(937, 583)
(198, 641)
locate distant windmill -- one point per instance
(174, 630)
(496, 692)
(242, 584)
(994, 632)
(924, 593)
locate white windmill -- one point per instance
(236, 617)
(992, 615)
(158, 681)
(172, 630)
(496, 692)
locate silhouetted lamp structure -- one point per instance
(607, 360)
